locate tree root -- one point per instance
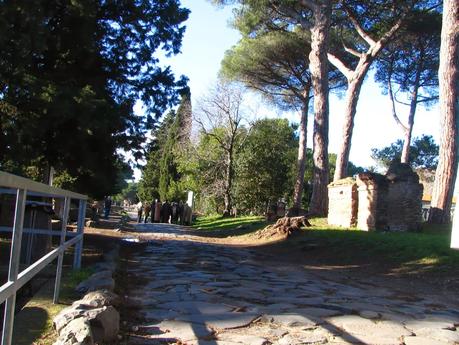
(284, 227)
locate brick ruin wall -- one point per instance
(390, 202)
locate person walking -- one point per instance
(146, 211)
(166, 212)
(139, 208)
(107, 206)
(157, 211)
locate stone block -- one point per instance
(77, 332)
(342, 203)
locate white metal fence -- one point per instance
(24, 188)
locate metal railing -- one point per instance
(22, 188)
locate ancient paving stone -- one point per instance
(419, 340)
(368, 314)
(368, 331)
(195, 307)
(432, 324)
(313, 338)
(279, 307)
(160, 314)
(224, 320)
(439, 334)
(242, 339)
(193, 289)
(290, 320)
(220, 284)
(316, 312)
(185, 331)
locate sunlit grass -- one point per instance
(424, 248)
(221, 223)
(34, 324)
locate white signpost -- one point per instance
(455, 231)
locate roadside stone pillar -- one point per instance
(404, 198)
(343, 203)
(372, 206)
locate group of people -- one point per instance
(164, 212)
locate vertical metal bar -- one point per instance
(80, 230)
(14, 265)
(60, 258)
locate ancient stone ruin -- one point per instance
(373, 201)
(342, 207)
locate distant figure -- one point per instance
(139, 208)
(187, 213)
(157, 211)
(166, 211)
(152, 211)
(107, 206)
(147, 209)
(175, 214)
(181, 210)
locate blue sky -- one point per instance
(208, 36)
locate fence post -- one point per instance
(14, 265)
(80, 230)
(60, 258)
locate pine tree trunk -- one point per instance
(352, 98)
(448, 75)
(405, 158)
(318, 64)
(302, 153)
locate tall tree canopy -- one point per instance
(71, 73)
(264, 167)
(275, 65)
(361, 30)
(254, 18)
(408, 70)
(423, 153)
(221, 116)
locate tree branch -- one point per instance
(394, 112)
(352, 51)
(335, 61)
(360, 30)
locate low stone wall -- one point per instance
(94, 318)
(342, 203)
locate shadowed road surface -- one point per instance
(186, 292)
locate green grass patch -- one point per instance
(34, 323)
(225, 223)
(348, 245)
(219, 227)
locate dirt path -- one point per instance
(182, 289)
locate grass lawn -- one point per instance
(34, 323)
(427, 248)
(322, 244)
(218, 226)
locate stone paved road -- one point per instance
(197, 293)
